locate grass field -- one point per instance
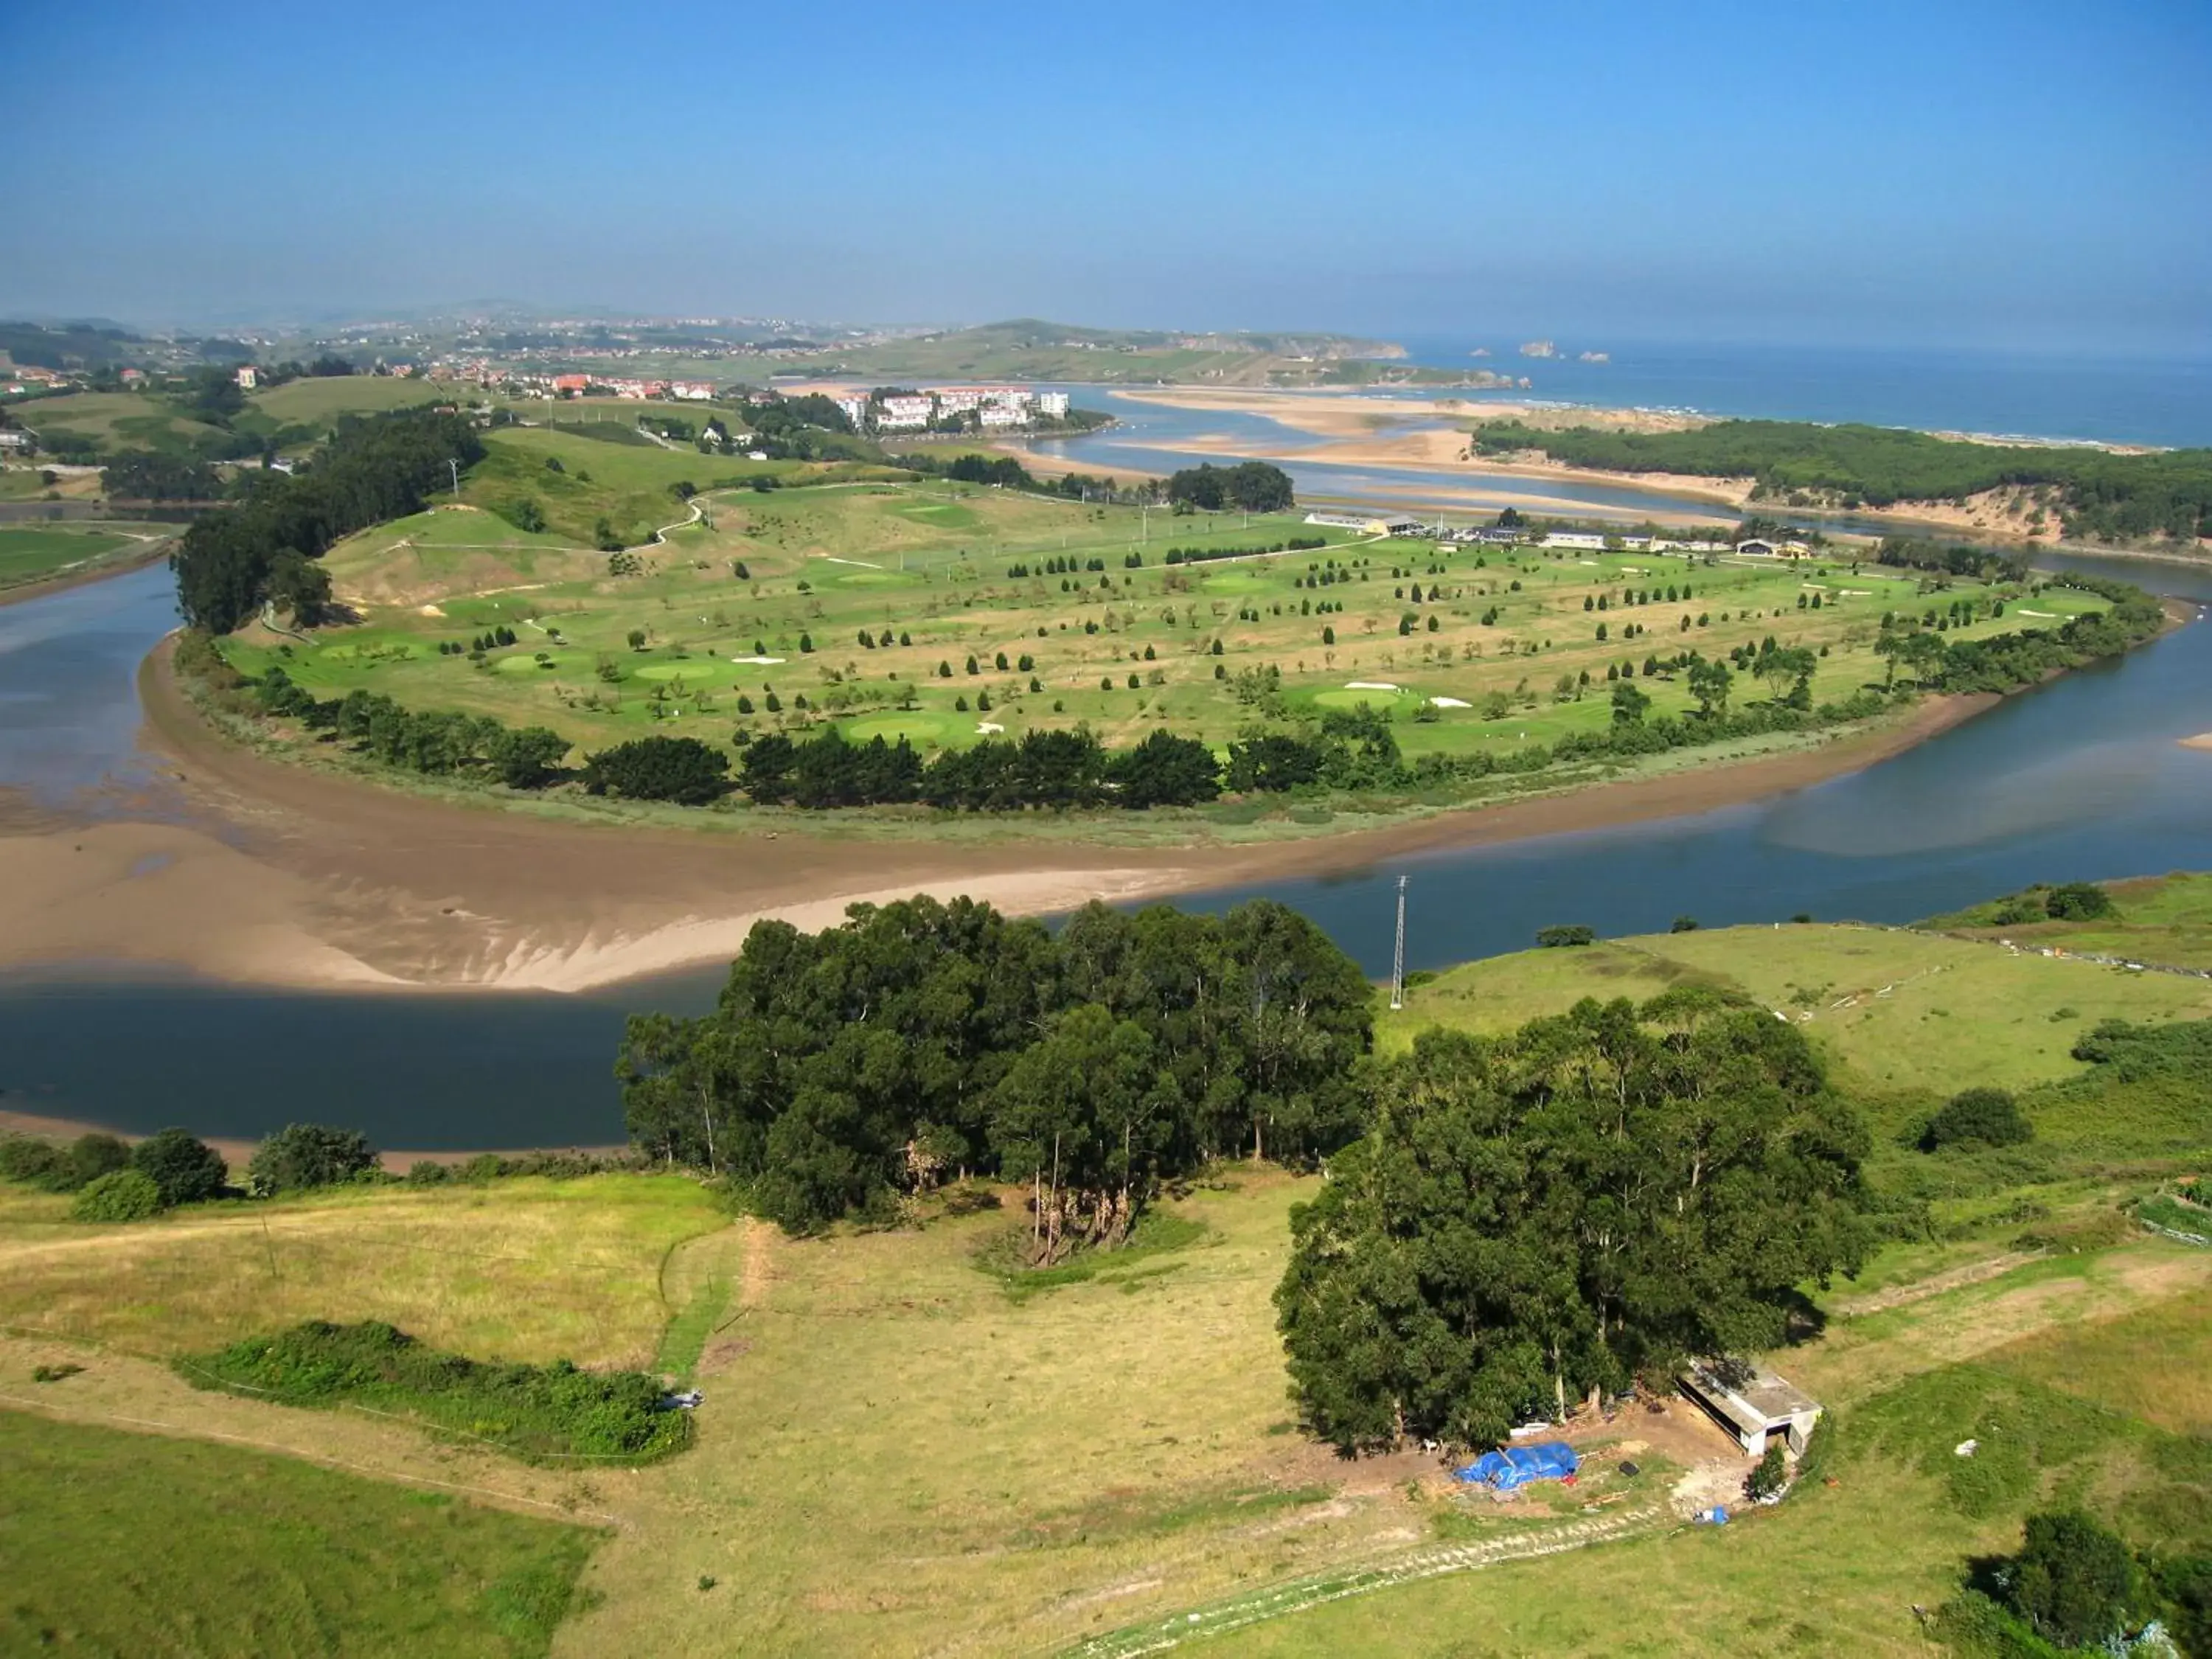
(522, 1270)
(2162, 919)
(1127, 649)
(132, 1544)
(1904, 1012)
(31, 553)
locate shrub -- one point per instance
(2078, 900)
(2075, 1581)
(186, 1168)
(1771, 1474)
(94, 1155)
(1551, 939)
(553, 1411)
(1987, 1117)
(119, 1195)
(301, 1156)
(34, 1163)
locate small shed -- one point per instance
(1752, 1403)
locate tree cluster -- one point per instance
(1201, 555)
(265, 547)
(2115, 498)
(1046, 770)
(1247, 487)
(436, 743)
(144, 475)
(921, 1042)
(1584, 1203)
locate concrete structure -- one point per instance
(1576, 540)
(1376, 523)
(1752, 1405)
(1054, 404)
(247, 380)
(855, 410)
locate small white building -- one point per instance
(247, 379)
(1575, 540)
(1752, 1404)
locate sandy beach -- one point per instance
(278, 874)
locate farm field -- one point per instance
(31, 553)
(132, 1543)
(1495, 652)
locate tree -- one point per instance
(2075, 1581)
(301, 1156)
(528, 758)
(1165, 770)
(1590, 1200)
(1553, 938)
(1630, 704)
(1987, 1117)
(636, 638)
(185, 1168)
(92, 1155)
(680, 770)
(2078, 900)
(1081, 1115)
(1709, 682)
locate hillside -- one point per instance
(1031, 349)
(1100, 1460)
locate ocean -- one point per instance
(2164, 401)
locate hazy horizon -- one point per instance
(2006, 178)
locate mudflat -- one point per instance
(284, 875)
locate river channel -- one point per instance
(2083, 779)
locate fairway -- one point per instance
(133, 1544)
(929, 611)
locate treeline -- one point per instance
(2100, 494)
(921, 1043)
(265, 548)
(1247, 487)
(1047, 770)
(1580, 1205)
(1951, 559)
(1200, 555)
(1005, 473)
(434, 743)
(145, 477)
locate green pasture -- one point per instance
(119, 421)
(829, 558)
(2162, 919)
(30, 552)
(139, 1543)
(1902, 1012)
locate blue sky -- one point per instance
(2028, 176)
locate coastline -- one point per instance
(282, 876)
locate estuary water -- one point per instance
(2081, 780)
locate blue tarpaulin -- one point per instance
(1516, 1466)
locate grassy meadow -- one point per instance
(125, 1543)
(529, 1270)
(1903, 1012)
(34, 552)
(1495, 653)
(2162, 919)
